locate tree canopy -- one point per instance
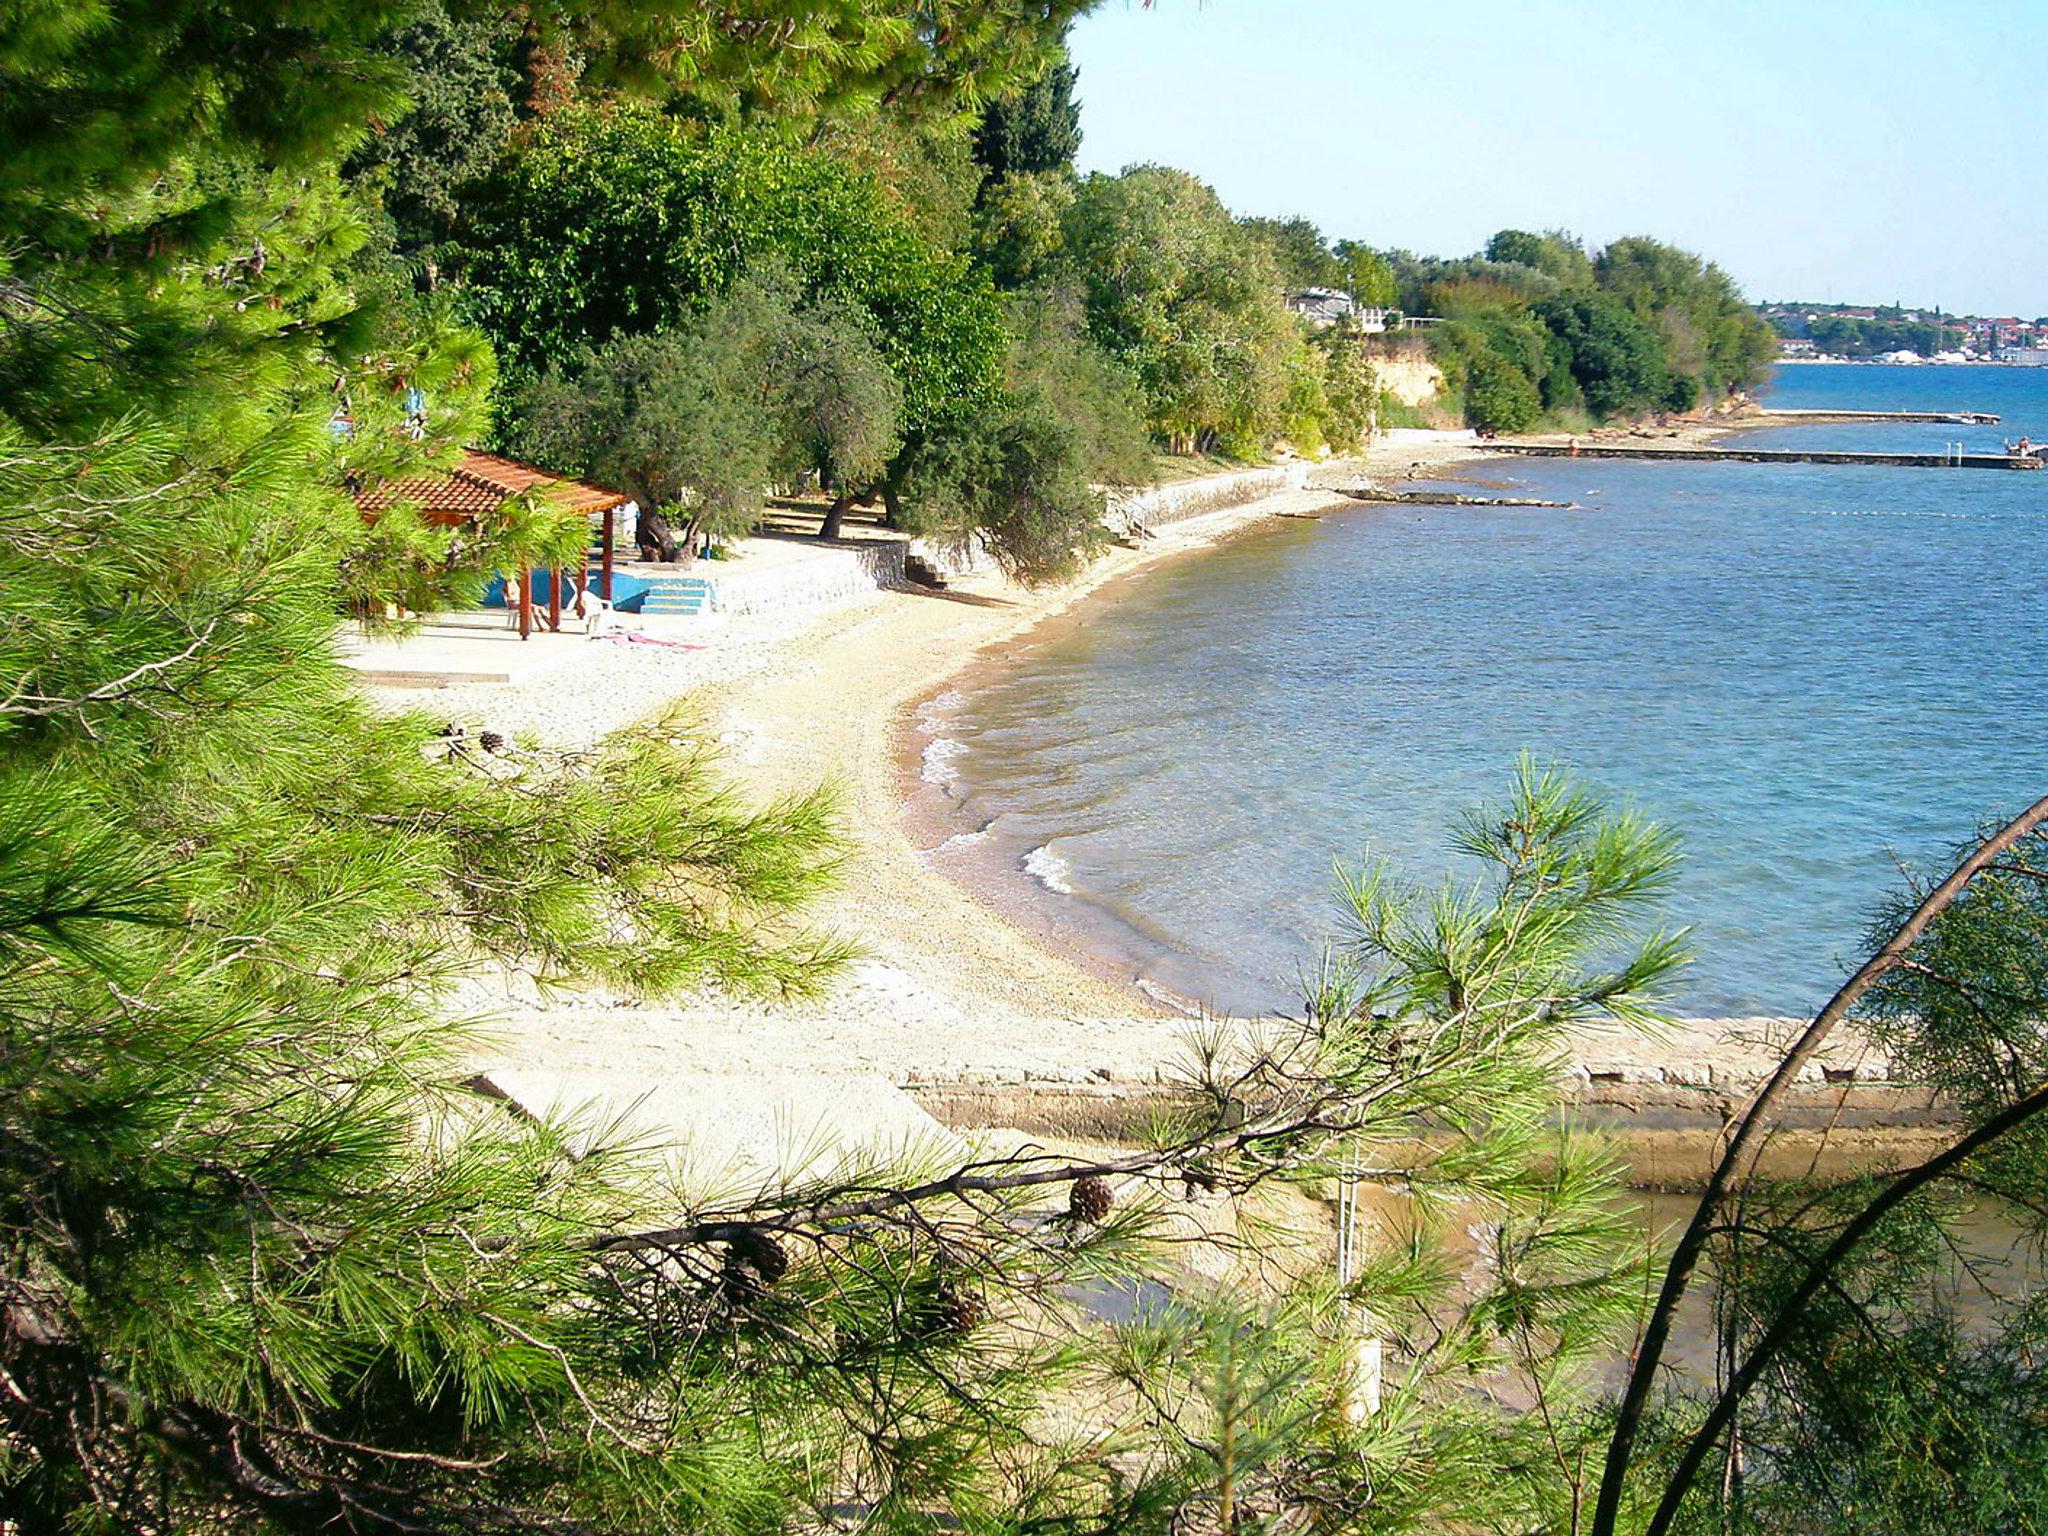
(1033, 132)
(1188, 300)
(624, 222)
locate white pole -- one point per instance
(1365, 1352)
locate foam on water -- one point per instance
(934, 712)
(972, 839)
(939, 763)
(1050, 871)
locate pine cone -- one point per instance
(492, 741)
(1090, 1200)
(960, 1310)
(1198, 1181)
(760, 1253)
(754, 1261)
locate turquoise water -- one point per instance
(1810, 671)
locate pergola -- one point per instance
(482, 483)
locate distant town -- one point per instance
(1890, 333)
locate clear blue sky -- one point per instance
(1817, 149)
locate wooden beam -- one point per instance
(554, 599)
(605, 591)
(525, 603)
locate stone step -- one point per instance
(676, 596)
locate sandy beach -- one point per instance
(946, 989)
(951, 998)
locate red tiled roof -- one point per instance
(481, 483)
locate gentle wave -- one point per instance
(966, 839)
(1049, 870)
(934, 713)
(940, 761)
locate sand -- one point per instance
(950, 997)
(945, 988)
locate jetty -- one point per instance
(1952, 458)
(1808, 416)
(1439, 498)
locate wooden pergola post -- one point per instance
(605, 543)
(554, 599)
(525, 603)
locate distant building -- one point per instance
(1797, 346)
(1326, 306)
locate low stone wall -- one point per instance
(829, 574)
(1662, 1097)
(1163, 504)
(950, 560)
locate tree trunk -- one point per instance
(652, 533)
(835, 515)
(892, 505)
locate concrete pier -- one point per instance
(1770, 456)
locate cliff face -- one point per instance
(1413, 380)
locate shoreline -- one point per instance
(977, 1008)
(1007, 892)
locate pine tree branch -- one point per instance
(1685, 1256)
(37, 706)
(1819, 1276)
(1311, 1119)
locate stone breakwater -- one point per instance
(1662, 1095)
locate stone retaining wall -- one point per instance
(1163, 504)
(830, 574)
(1662, 1097)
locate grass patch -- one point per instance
(1170, 467)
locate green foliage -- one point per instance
(101, 96)
(460, 86)
(1681, 392)
(840, 406)
(1367, 276)
(1644, 327)
(1350, 388)
(1495, 354)
(1016, 478)
(703, 419)
(667, 418)
(623, 223)
(1297, 250)
(825, 59)
(1559, 255)
(1709, 330)
(928, 168)
(1053, 362)
(1614, 357)
(1878, 1337)
(1035, 132)
(1181, 295)
(1019, 227)
(247, 1227)
(1416, 276)
(1499, 397)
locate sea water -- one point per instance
(1817, 674)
